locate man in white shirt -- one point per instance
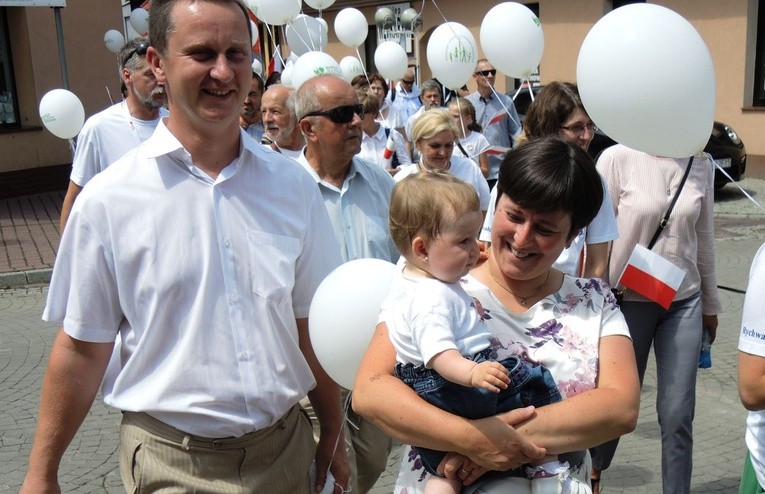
(403, 100)
(357, 196)
(282, 133)
(250, 117)
(192, 250)
(109, 134)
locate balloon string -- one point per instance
(737, 185)
(495, 93)
(311, 44)
(520, 88)
(438, 9)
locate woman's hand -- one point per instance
(455, 466)
(709, 322)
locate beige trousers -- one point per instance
(155, 457)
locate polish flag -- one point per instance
(498, 117)
(497, 150)
(652, 276)
(275, 65)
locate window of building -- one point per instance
(8, 103)
(759, 69)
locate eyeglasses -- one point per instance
(486, 73)
(408, 83)
(579, 129)
(339, 114)
(139, 50)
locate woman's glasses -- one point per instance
(579, 129)
(339, 114)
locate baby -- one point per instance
(442, 345)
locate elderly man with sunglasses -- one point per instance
(357, 196)
(495, 113)
(109, 134)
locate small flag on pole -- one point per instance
(652, 276)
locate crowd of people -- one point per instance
(216, 203)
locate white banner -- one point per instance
(32, 3)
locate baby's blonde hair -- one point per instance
(425, 204)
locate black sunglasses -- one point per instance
(487, 73)
(407, 82)
(339, 114)
(139, 50)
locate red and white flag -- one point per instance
(498, 117)
(652, 276)
(275, 65)
(497, 150)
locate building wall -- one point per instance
(722, 25)
(91, 67)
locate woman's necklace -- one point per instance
(521, 299)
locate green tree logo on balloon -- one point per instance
(460, 50)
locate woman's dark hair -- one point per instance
(550, 174)
(377, 77)
(360, 82)
(551, 108)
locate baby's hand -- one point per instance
(489, 375)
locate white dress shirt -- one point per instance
(203, 280)
(373, 147)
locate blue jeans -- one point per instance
(529, 385)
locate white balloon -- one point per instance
(139, 19)
(114, 40)
(452, 54)
(306, 34)
(512, 39)
(351, 27)
(324, 24)
(291, 58)
(257, 67)
(391, 60)
(312, 64)
(343, 315)
(351, 67)
(286, 76)
(646, 78)
(319, 4)
(278, 12)
(62, 113)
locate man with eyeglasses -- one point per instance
(250, 118)
(202, 251)
(495, 113)
(109, 134)
(357, 197)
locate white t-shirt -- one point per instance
(426, 316)
(463, 168)
(474, 144)
(752, 341)
(601, 229)
(106, 137)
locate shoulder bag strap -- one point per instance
(665, 219)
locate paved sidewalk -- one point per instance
(29, 238)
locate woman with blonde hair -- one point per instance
(434, 134)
